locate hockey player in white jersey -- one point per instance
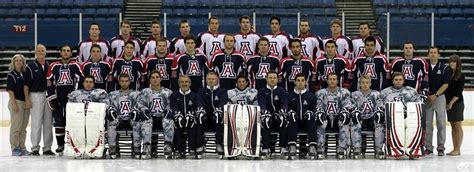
(246, 40)
(279, 42)
(154, 104)
(123, 107)
(211, 41)
(333, 111)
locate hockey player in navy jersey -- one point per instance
(366, 115)
(295, 64)
(246, 39)
(97, 68)
(211, 41)
(415, 69)
(192, 64)
(259, 65)
(161, 61)
(372, 64)
(333, 110)
(117, 43)
(279, 41)
(273, 102)
(210, 101)
(344, 43)
(155, 112)
(123, 107)
(228, 63)
(332, 62)
(63, 77)
(311, 45)
(130, 65)
(184, 107)
(301, 116)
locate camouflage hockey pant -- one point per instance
(112, 127)
(336, 125)
(379, 134)
(142, 130)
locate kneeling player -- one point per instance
(123, 107)
(332, 107)
(301, 116)
(154, 105)
(273, 101)
(366, 115)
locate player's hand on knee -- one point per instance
(179, 119)
(292, 116)
(140, 116)
(282, 118)
(379, 117)
(309, 115)
(219, 115)
(344, 118)
(356, 117)
(200, 115)
(111, 114)
(266, 119)
(321, 117)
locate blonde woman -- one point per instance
(19, 114)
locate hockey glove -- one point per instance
(309, 115)
(219, 115)
(200, 115)
(379, 117)
(189, 119)
(53, 102)
(322, 117)
(111, 115)
(266, 119)
(179, 119)
(344, 118)
(292, 116)
(356, 116)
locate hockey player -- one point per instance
(343, 43)
(177, 45)
(161, 61)
(148, 47)
(211, 100)
(97, 68)
(333, 110)
(228, 63)
(295, 64)
(191, 64)
(123, 107)
(366, 115)
(210, 42)
(301, 116)
(84, 49)
(273, 102)
(117, 43)
(154, 105)
(359, 41)
(372, 64)
(259, 65)
(246, 39)
(415, 69)
(242, 93)
(63, 78)
(311, 45)
(331, 62)
(279, 41)
(405, 94)
(130, 65)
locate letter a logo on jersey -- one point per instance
(95, 72)
(125, 107)
(407, 70)
(193, 68)
(367, 107)
(263, 69)
(332, 107)
(273, 48)
(228, 70)
(398, 99)
(64, 77)
(161, 68)
(127, 70)
(216, 46)
(156, 105)
(245, 48)
(303, 50)
(369, 69)
(295, 70)
(327, 70)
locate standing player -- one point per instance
(331, 62)
(192, 64)
(301, 116)
(259, 65)
(372, 64)
(63, 78)
(344, 43)
(228, 63)
(211, 41)
(177, 44)
(295, 64)
(161, 61)
(273, 102)
(311, 45)
(123, 107)
(149, 46)
(154, 105)
(332, 108)
(366, 115)
(246, 39)
(130, 65)
(359, 41)
(117, 43)
(97, 68)
(84, 47)
(415, 69)
(212, 99)
(278, 41)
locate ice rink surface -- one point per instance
(465, 162)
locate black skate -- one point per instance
(137, 152)
(146, 151)
(168, 150)
(292, 152)
(113, 152)
(60, 150)
(265, 154)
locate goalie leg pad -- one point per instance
(75, 134)
(414, 130)
(95, 129)
(395, 126)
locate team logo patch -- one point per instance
(125, 107)
(273, 48)
(331, 107)
(369, 69)
(64, 77)
(127, 70)
(407, 70)
(193, 68)
(95, 72)
(156, 105)
(295, 70)
(329, 68)
(245, 48)
(367, 107)
(228, 70)
(161, 68)
(263, 69)
(216, 46)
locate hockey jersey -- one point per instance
(163, 66)
(344, 46)
(84, 49)
(149, 47)
(248, 96)
(246, 43)
(86, 96)
(195, 66)
(258, 67)
(290, 67)
(279, 44)
(365, 103)
(414, 70)
(63, 79)
(311, 46)
(210, 43)
(228, 66)
(333, 103)
(100, 71)
(123, 102)
(405, 94)
(377, 68)
(359, 46)
(339, 65)
(133, 67)
(117, 43)
(155, 102)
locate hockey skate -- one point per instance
(312, 152)
(340, 155)
(137, 152)
(284, 153)
(380, 155)
(168, 151)
(199, 152)
(113, 152)
(146, 151)
(356, 155)
(292, 152)
(265, 154)
(60, 150)
(220, 151)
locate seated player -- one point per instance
(242, 93)
(332, 108)
(123, 107)
(273, 101)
